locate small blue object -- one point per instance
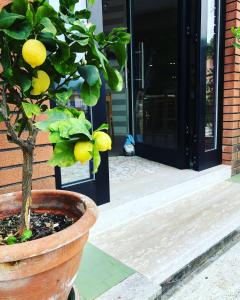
(129, 149)
(129, 140)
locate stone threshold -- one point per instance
(127, 212)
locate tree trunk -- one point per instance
(26, 188)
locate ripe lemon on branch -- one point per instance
(40, 83)
(34, 53)
(83, 151)
(103, 141)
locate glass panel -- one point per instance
(77, 172)
(156, 68)
(211, 104)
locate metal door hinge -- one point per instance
(195, 138)
(196, 37)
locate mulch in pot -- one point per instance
(42, 225)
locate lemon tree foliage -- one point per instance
(42, 51)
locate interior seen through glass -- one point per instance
(155, 29)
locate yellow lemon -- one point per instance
(34, 53)
(102, 140)
(40, 83)
(82, 151)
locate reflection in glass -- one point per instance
(156, 67)
(77, 172)
(211, 104)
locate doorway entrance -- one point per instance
(175, 78)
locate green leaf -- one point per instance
(121, 54)
(7, 19)
(27, 234)
(45, 10)
(90, 94)
(31, 109)
(30, 14)
(104, 126)
(90, 74)
(11, 240)
(63, 155)
(63, 52)
(66, 5)
(48, 26)
(96, 159)
(55, 137)
(54, 115)
(22, 79)
(19, 6)
(236, 45)
(115, 80)
(67, 67)
(100, 56)
(19, 31)
(83, 14)
(91, 2)
(71, 127)
(63, 98)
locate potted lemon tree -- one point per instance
(42, 52)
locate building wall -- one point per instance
(231, 109)
(11, 164)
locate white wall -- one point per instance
(80, 5)
(97, 16)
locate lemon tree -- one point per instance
(41, 53)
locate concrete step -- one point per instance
(133, 198)
(165, 241)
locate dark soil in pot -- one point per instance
(42, 224)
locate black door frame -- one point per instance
(191, 130)
(97, 186)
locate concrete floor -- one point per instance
(132, 178)
(160, 243)
(219, 281)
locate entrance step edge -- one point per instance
(200, 262)
(135, 287)
(131, 210)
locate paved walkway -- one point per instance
(219, 281)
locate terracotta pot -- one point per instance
(45, 269)
(4, 3)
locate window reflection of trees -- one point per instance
(210, 112)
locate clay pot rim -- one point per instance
(10, 253)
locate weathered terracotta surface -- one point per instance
(4, 3)
(45, 269)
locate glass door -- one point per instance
(208, 78)
(159, 80)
